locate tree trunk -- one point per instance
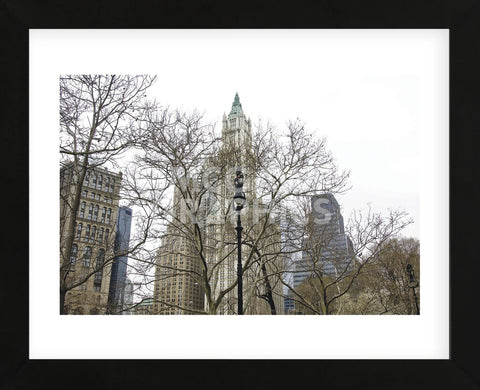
(62, 302)
(69, 231)
(70, 228)
(269, 295)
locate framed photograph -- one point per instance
(349, 123)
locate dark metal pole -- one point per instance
(416, 302)
(239, 265)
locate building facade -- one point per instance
(329, 250)
(259, 271)
(177, 287)
(119, 266)
(179, 254)
(289, 304)
(127, 296)
(88, 267)
(145, 307)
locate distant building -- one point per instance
(144, 308)
(93, 244)
(127, 296)
(119, 266)
(176, 287)
(289, 304)
(328, 249)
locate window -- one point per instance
(73, 254)
(94, 233)
(87, 178)
(97, 197)
(82, 210)
(87, 254)
(97, 280)
(112, 185)
(100, 235)
(92, 195)
(90, 211)
(105, 199)
(100, 180)
(232, 123)
(100, 258)
(85, 193)
(87, 233)
(94, 181)
(107, 184)
(104, 211)
(79, 230)
(109, 215)
(107, 232)
(95, 213)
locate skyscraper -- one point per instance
(93, 245)
(221, 246)
(328, 249)
(119, 266)
(177, 289)
(179, 254)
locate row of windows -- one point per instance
(97, 196)
(93, 210)
(91, 233)
(96, 181)
(86, 260)
(87, 256)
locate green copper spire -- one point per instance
(236, 105)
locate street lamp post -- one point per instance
(239, 199)
(413, 283)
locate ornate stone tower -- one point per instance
(237, 129)
(222, 254)
(181, 267)
(237, 141)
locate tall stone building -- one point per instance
(93, 245)
(177, 287)
(219, 237)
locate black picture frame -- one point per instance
(460, 17)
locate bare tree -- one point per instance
(181, 183)
(386, 287)
(335, 277)
(187, 172)
(101, 116)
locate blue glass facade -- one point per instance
(118, 277)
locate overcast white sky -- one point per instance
(363, 92)
(380, 97)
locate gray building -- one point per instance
(118, 277)
(289, 304)
(328, 250)
(127, 297)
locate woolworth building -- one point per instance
(181, 270)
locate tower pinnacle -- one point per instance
(236, 105)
